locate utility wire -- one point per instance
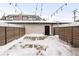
(74, 12)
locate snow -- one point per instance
(31, 22)
(50, 46)
(35, 35)
(67, 25)
(3, 24)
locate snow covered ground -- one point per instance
(50, 46)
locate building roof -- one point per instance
(2, 24)
(67, 25)
(34, 22)
(22, 15)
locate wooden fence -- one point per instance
(68, 34)
(8, 34)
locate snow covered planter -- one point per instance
(34, 36)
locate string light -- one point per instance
(60, 8)
(10, 3)
(36, 8)
(13, 7)
(16, 5)
(57, 11)
(41, 9)
(66, 4)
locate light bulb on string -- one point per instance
(13, 6)
(57, 12)
(66, 4)
(16, 4)
(51, 16)
(61, 9)
(54, 14)
(10, 3)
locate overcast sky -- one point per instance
(48, 8)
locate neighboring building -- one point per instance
(76, 20)
(38, 27)
(22, 17)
